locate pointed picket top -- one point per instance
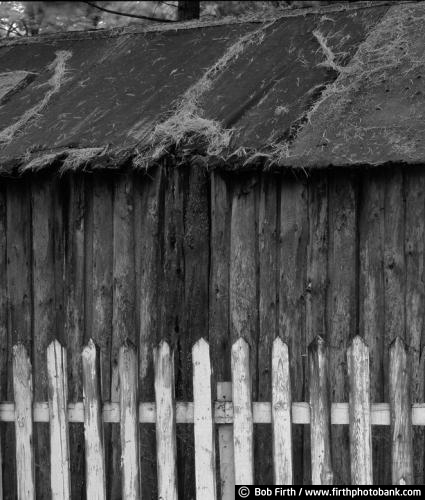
(279, 343)
(58, 416)
(359, 411)
(126, 347)
(317, 343)
(401, 413)
(281, 413)
(201, 345)
(358, 343)
(19, 350)
(240, 344)
(90, 349)
(23, 396)
(55, 344)
(398, 344)
(163, 346)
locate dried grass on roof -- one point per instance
(187, 120)
(58, 67)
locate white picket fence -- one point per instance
(233, 414)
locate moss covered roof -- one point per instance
(339, 86)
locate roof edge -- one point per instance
(177, 26)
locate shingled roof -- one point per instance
(339, 86)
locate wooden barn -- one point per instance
(254, 178)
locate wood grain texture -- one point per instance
(45, 234)
(123, 295)
(196, 251)
(243, 268)
(268, 307)
(4, 345)
(166, 447)
(218, 321)
(23, 395)
(223, 412)
(129, 421)
(401, 415)
(320, 413)
(93, 424)
(60, 480)
(19, 292)
(203, 420)
(415, 302)
(148, 217)
(225, 444)
(281, 414)
(341, 303)
(360, 421)
(74, 208)
(316, 282)
(292, 292)
(242, 413)
(372, 305)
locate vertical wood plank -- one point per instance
(93, 424)
(225, 447)
(203, 420)
(415, 302)
(23, 395)
(281, 414)
(219, 335)
(74, 299)
(267, 290)
(101, 287)
(320, 413)
(129, 421)
(401, 414)
(19, 287)
(60, 481)
(148, 207)
(165, 422)
(394, 260)
(341, 303)
(115, 483)
(316, 282)
(124, 293)
(242, 413)
(292, 292)
(218, 321)
(44, 231)
(196, 251)
(4, 346)
(243, 269)
(317, 257)
(359, 412)
(372, 307)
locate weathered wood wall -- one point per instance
(182, 253)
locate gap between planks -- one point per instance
(223, 413)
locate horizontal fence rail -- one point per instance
(234, 413)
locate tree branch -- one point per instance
(109, 11)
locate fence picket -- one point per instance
(203, 420)
(281, 414)
(93, 424)
(129, 421)
(242, 413)
(320, 413)
(401, 414)
(58, 406)
(23, 394)
(359, 412)
(165, 422)
(225, 445)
